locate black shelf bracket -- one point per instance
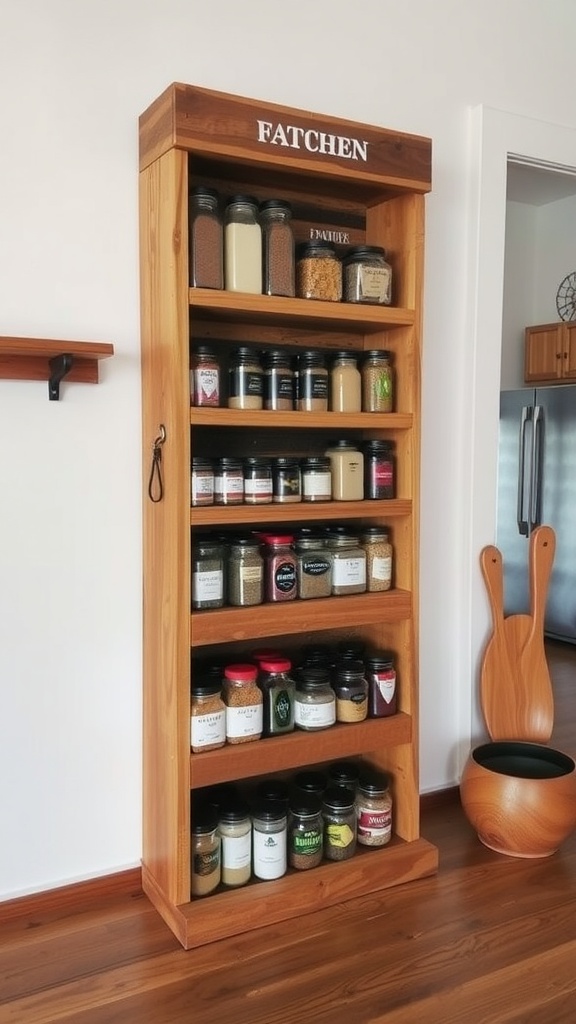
(59, 367)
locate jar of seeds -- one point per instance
(377, 381)
(243, 699)
(374, 540)
(207, 573)
(339, 813)
(318, 272)
(305, 832)
(206, 864)
(348, 565)
(206, 239)
(207, 716)
(367, 275)
(314, 567)
(374, 809)
(245, 572)
(278, 247)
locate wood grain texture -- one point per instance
(29, 358)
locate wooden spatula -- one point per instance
(537, 694)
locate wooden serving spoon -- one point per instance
(537, 695)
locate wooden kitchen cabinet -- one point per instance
(353, 183)
(550, 353)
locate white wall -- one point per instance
(74, 75)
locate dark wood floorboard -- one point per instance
(488, 940)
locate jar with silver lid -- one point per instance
(340, 827)
(318, 272)
(269, 837)
(367, 275)
(207, 573)
(374, 809)
(314, 701)
(348, 564)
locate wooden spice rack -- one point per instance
(191, 136)
(47, 359)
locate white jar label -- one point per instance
(382, 568)
(245, 720)
(234, 485)
(258, 487)
(374, 283)
(236, 851)
(207, 586)
(315, 716)
(209, 729)
(387, 688)
(252, 573)
(202, 484)
(349, 572)
(269, 854)
(206, 382)
(316, 483)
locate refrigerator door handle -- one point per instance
(535, 510)
(521, 517)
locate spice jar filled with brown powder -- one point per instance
(206, 239)
(277, 247)
(207, 716)
(244, 704)
(206, 864)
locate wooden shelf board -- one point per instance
(249, 419)
(29, 358)
(228, 624)
(280, 753)
(237, 515)
(299, 892)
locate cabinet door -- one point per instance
(543, 353)
(569, 351)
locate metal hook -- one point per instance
(159, 441)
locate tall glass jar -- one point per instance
(206, 860)
(318, 272)
(340, 828)
(312, 376)
(235, 829)
(305, 831)
(367, 275)
(205, 377)
(379, 470)
(344, 773)
(201, 482)
(228, 482)
(245, 379)
(278, 692)
(347, 467)
(245, 572)
(381, 675)
(377, 381)
(205, 238)
(207, 573)
(286, 480)
(348, 564)
(278, 381)
(278, 247)
(243, 699)
(257, 480)
(269, 835)
(375, 541)
(242, 246)
(280, 568)
(315, 703)
(345, 383)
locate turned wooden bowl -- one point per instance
(519, 797)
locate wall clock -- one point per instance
(566, 297)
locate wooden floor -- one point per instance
(489, 939)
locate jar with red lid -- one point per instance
(281, 563)
(244, 704)
(278, 692)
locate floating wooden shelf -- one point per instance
(52, 360)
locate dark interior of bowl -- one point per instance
(523, 760)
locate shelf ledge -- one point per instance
(51, 360)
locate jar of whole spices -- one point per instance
(351, 691)
(314, 701)
(269, 837)
(245, 379)
(378, 469)
(235, 829)
(377, 381)
(339, 813)
(242, 245)
(278, 381)
(278, 692)
(243, 699)
(205, 377)
(201, 482)
(206, 240)
(207, 716)
(344, 773)
(312, 377)
(345, 383)
(257, 480)
(207, 573)
(316, 478)
(228, 482)
(367, 275)
(374, 540)
(305, 832)
(280, 570)
(348, 564)
(381, 676)
(318, 272)
(286, 481)
(374, 809)
(277, 247)
(347, 468)
(245, 572)
(206, 862)
(314, 567)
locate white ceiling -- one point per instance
(538, 185)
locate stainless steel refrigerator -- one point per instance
(537, 484)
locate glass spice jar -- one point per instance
(305, 831)
(344, 773)
(348, 564)
(318, 272)
(242, 245)
(278, 692)
(345, 383)
(205, 377)
(339, 814)
(243, 699)
(286, 480)
(245, 574)
(316, 478)
(257, 480)
(207, 716)
(347, 468)
(311, 783)
(379, 472)
(382, 689)
(228, 482)
(367, 275)
(312, 382)
(280, 568)
(205, 239)
(207, 573)
(374, 540)
(206, 851)
(269, 838)
(277, 247)
(314, 567)
(278, 381)
(235, 830)
(374, 810)
(351, 691)
(314, 701)
(377, 381)
(245, 379)
(201, 482)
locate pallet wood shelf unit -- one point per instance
(37, 358)
(192, 136)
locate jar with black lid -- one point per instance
(312, 382)
(315, 703)
(235, 828)
(311, 783)
(314, 567)
(318, 272)
(348, 564)
(201, 482)
(305, 831)
(205, 239)
(242, 245)
(245, 379)
(269, 839)
(207, 573)
(286, 480)
(377, 381)
(316, 478)
(345, 774)
(340, 826)
(374, 809)
(277, 247)
(228, 482)
(257, 480)
(245, 572)
(207, 716)
(382, 693)
(367, 275)
(351, 691)
(278, 380)
(379, 467)
(206, 863)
